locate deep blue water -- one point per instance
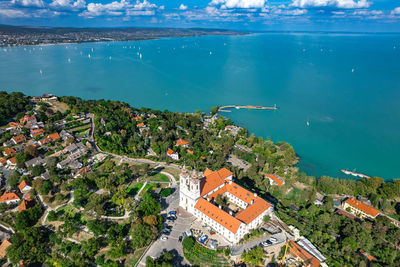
(354, 116)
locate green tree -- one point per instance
(188, 242)
(254, 256)
(142, 235)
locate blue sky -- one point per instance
(309, 15)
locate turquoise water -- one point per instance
(354, 116)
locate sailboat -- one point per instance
(69, 60)
(109, 57)
(88, 55)
(41, 72)
(308, 122)
(353, 70)
(140, 56)
(210, 53)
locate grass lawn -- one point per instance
(149, 186)
(134, 188)
(173, 171)
(294, 194)
(159, 177)
(202, 256)
(68, 209)
(132, 259)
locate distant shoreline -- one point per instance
(14, 36)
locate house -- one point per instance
(8, 143)
(360, 209)
(197, 196)
(173, 155)
(307, 245)
(181, 142)
(191, 152)
(12, 162)
(3, 247)
(28, 119)
(18, 139)
(137, 118)
(44, 141)
(45, 175)
(232, 129)
(9, 152)
(275, 180)
(65, 135)
(367, 255)
(140, 125)
(24, 187)
(25, 204)
(306, 258)
(19, 148)
(3, 162)
(9, 198)
(82, 171)
(35, 162)
(15, 125)
(36, 132)
(54, 136)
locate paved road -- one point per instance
(238, 250)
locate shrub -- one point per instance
(188, 242)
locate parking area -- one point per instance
(280, 241)
(172, 242)
(200, 229)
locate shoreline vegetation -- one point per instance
(198, 140)
(22, 36)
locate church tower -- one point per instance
(189, 189)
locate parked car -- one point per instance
(266, 243)
(180, 238)
(273, 240)
(164, 238)
(172, 213)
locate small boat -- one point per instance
(41, 72)
(140, 56)
(109, 57)
(308, 123)
(353, 70)
(88, 55)
(69, 60)
(92, 49)
(210, 53)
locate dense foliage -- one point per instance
(11, 105)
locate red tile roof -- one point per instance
(22, 185)
(19, 139)
(191, 152)
(13, 160)
(207, 172)
(54, 136)
(45, 140)
(308, 259)
(9, 152)
(363, 207)
(9, 196)
(367, 255)
(14, 124)
(4, 245)
(140, 124)
(170, 151)
(3, 161)
(241, 193)
(137, 118)
(25, 204)
(253, 211)
(181, 142)
(37, 132)
(213, 180)
(279, 181)
(221, 217)
(27, 118)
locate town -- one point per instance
(101, 183)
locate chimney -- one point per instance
(252, 201)
(230, 212)
(230, 182)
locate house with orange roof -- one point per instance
(172, 154)
(54, 136)
(367, 255)
(139, 125)
(12, 162)
(29, 119)
(24, 187)
(4, 245)
(360, 209)
(3, 161)
(9, 152)
(191, 152)
(18, 139)
(198, 193)
(44, 141)
(306, 258)
(275, 180)
(9, 198)
(37, 132)
(25, 204)
(15, 125)
(137, 118)
(182, 143)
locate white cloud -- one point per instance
(13, 13)
(331, 3)
(183, 7)
(239, 3)
(395, 11)
(124, 7)
(367, 12)
(28, 3)
(68, 4)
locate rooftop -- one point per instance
(363, 207)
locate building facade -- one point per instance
(360, 209)
(198, 194)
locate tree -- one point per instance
(214, 110)
(31, 245)
(13, 180)
(52, 216)
(90, 247)
(266, 218)
(32, 151)
(254, 256)
(142, 234)
(37, 170)
(149, 205)
(221, 200)
(46, 187)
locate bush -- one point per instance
(166, 192)
(188, 242)
(52, 216)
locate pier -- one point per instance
(227, 107)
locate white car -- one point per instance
(273, 240)
(164, 238)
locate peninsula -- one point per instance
(15, 36)
(97, 182)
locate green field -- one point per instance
(134, 188)
(159, 177)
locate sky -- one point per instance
(250, 15)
